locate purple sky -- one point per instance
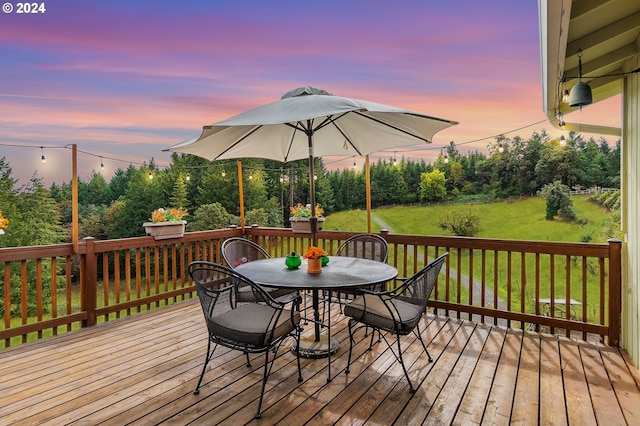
(124, 79)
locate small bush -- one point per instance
(474, 198)
(558, 201)
(587, 237)
(616, 205)
(567, 213)
(582, 220)
(609, 202)
(602, 197)
(465, 224)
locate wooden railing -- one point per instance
(573, 289)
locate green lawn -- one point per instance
(517, 220)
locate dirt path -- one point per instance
(477, 285)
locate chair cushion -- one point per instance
(377, 314)
(249, 325)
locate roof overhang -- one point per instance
(607, 32)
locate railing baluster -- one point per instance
(595, 268)
(509, 285)
(523, 285)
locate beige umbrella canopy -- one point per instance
(309, 122)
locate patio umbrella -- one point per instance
(309, 122)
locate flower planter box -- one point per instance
(165, 230)
(301, 225)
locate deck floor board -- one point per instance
(143, 369)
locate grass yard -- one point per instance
(515, 220)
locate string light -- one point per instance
(223, 173)
(251, 176)
(563, 141)
(188, 177)
(101, 164)
(354, 163)
(150, 175)
(395, 162)
(44, 160)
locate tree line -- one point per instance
(210, 191)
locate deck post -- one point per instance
(89, 283)
(615, 291)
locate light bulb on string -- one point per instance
(150, 175)
(223, 173)
(354, 163)
(101, 164)
(250, 176)
(563, 141)
(188, 177)
(44, 160)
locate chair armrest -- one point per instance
(291, 297)
(392, 293)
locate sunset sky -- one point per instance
(124, 79)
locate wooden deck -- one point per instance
(142, 370)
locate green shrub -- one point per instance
(587, 236)
(558, 201)
(616, 205)
(210, 216)
(256, 217)
(602, 197)
(609, 202)
(465, 224)
(474, 198)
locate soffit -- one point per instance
(607, 32)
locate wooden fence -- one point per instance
(573, 289)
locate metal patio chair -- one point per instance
(236, 251)
(364, 246)
(257, 326)
(397, 311)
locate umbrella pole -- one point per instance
(313, 220)
(367, 172)
(241, 195)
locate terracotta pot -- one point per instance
(314, 266)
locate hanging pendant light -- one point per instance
(580, 94)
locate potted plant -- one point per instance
(300, 218)
(4, 222)
(314, 256)
(166, 223)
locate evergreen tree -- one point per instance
(9, 205)
(39, 221)
(179, 196)
(142, 197)
(97, 191)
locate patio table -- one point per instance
(341, 273)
